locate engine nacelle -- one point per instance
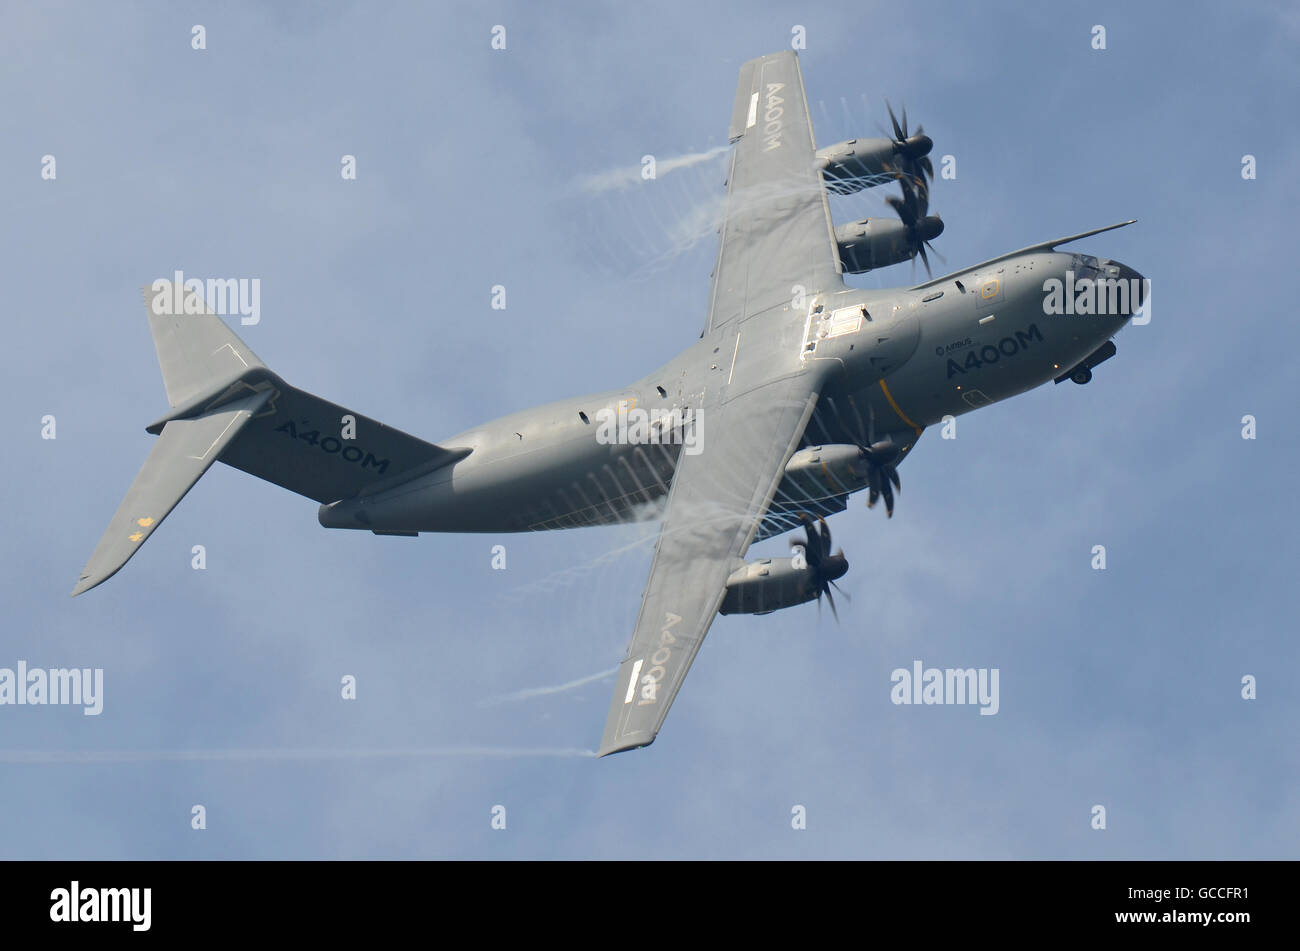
(878, 242)
(761, 587)
(823, 472)
(851, 166)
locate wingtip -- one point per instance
(89, 580)
(607, 749)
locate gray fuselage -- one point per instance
(914, 357)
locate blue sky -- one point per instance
(1119, 687)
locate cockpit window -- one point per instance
(1085, 266)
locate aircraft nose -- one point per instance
(1134, 282)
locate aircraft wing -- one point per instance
(717, 501)
(776, 232)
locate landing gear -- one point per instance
(1081, 372)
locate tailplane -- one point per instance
(228, 405)
(184, 451)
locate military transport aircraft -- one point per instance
(800, 391)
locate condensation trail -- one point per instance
(530, 692)
(629, 176)
(569, 576)
(17, 757)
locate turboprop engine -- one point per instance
(761, 587)
(822, 472)
(877, 242)
(856, 164)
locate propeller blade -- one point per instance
(898, 133)
(882, 476)
(812, 542)
(812, 553)
(913, 170)
(830, 599)
(826, 536)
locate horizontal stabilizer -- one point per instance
(184, 451)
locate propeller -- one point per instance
(921, 228)
(881, 457)
(882, 473)
(912, 152)
(824, 566)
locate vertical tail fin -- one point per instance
(196, 350)
(227, 404)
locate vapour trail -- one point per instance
(570, 576)
(530, 692)
(616, 179)
(18, 757)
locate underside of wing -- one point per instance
(776, 232)
(717, 502)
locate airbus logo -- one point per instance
(992, 353)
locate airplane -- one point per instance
(800, 391)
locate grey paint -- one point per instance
(768, 375)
